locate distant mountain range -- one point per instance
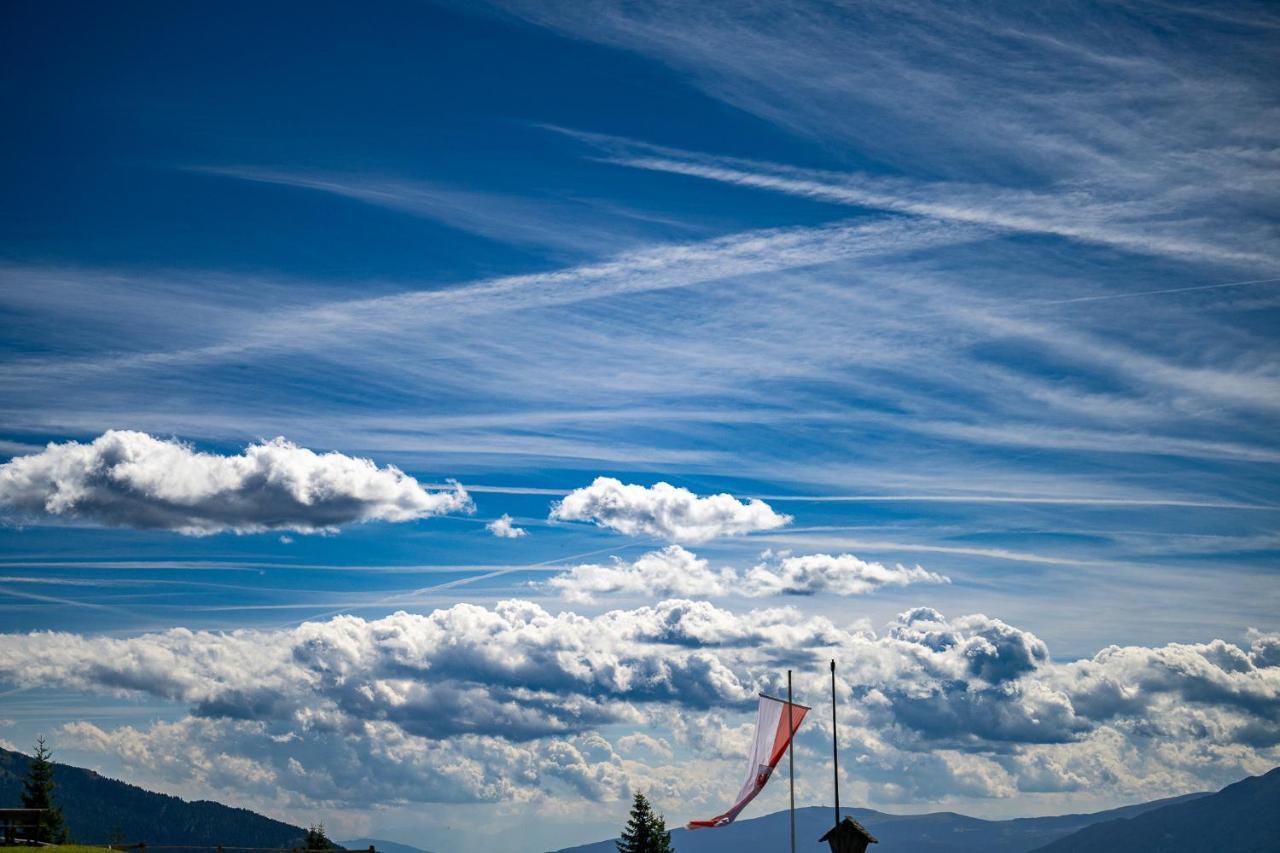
(381, 846)
(938, 832)
(1241, 818)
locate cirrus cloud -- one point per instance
(125, 478)
(665, 511)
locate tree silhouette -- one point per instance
(37, 793)
(315, 838)
(645, 832)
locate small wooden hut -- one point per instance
(849, 836)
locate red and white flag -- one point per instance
(773, 733)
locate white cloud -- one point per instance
(968, 705)
(131, 479)
(1079, 216)
(665, 511)
(516, 672)
(640, 742)
(504, 529)
(675, 571)
(368, 762)
(842, 574)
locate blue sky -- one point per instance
(988, 292)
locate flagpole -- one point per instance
(791, 760)
(835, 756)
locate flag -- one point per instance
(772, 736)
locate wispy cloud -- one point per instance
(658, 268)
(555, 223)
(1082, 94)
(1076, 213)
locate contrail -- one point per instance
(407, 597)
(1157, 292)
(914, 498)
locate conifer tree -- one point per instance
(645, 831)
(316, 839)
(37, 793)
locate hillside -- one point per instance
(1241, 818)
(97, 808)
(939, 832)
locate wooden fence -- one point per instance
(17, 824)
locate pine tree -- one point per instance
(645, 832)
(37, 793)
(316, 839)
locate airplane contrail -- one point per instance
(1157, 292)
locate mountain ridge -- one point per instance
(932, 832)
(1243, 817)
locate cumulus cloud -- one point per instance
(369, 762)
(674, 571)
(933, 705)
(504, 529)
(842, 574)
(131, 479)
(514, 669)
(665, 511)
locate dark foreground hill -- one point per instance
(1241, 818)
(98, 809)
(939, 832)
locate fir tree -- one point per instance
(645, 832)
(37, 793)
(316, 839)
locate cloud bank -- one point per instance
(131, 479)
(969, 705)
(674, 571)
(665, 511)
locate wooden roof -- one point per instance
(850, 825)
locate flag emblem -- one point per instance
(774, 729)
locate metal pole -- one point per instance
(835, 753)
(791, 759)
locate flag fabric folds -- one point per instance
(772, 737)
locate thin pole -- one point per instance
(835, 754)
(791, 759)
